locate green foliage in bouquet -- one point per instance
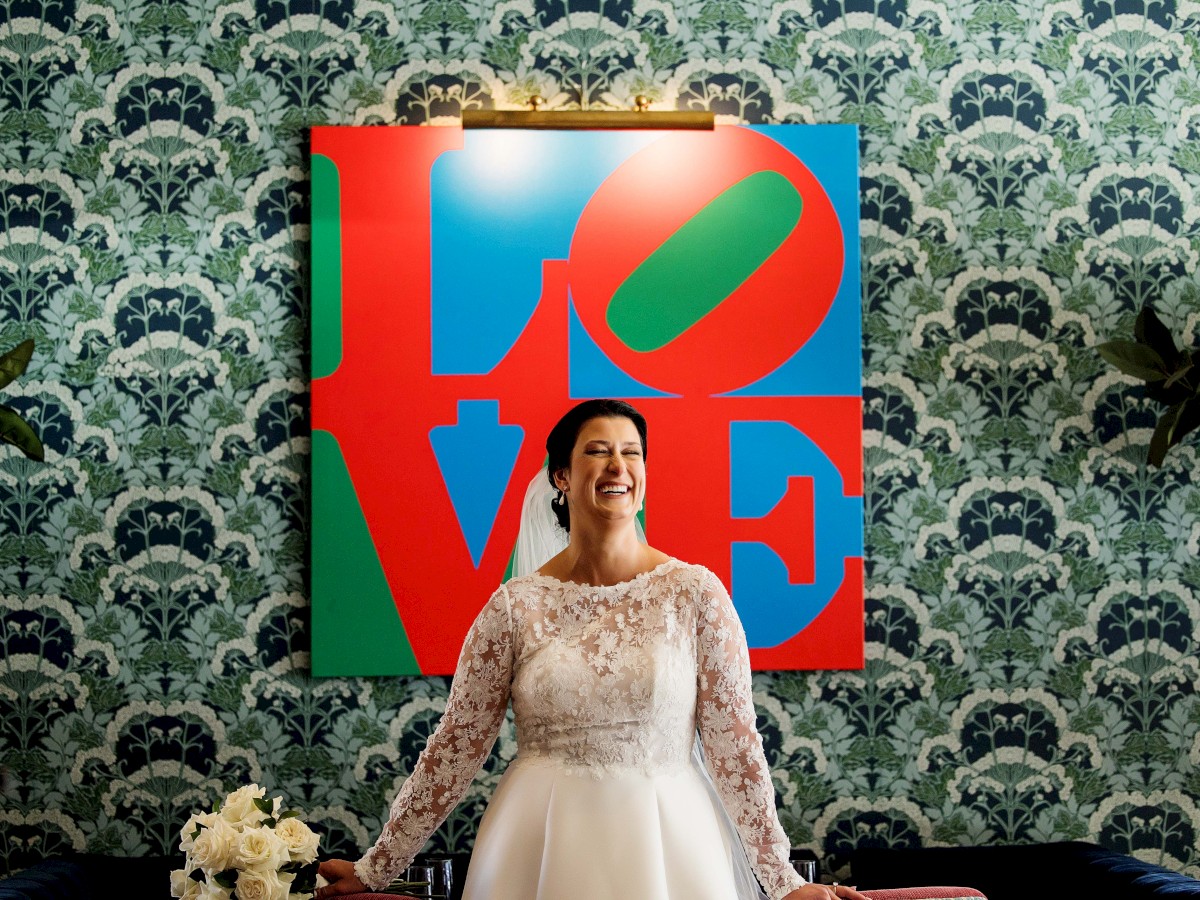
(13, 429)
(1172, 379)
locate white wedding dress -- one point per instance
(609, 686)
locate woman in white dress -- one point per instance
(615, 657)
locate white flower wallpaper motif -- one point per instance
(1030, 171)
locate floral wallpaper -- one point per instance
(1030, 171)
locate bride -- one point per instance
(639, 771)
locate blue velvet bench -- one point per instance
(50, 879)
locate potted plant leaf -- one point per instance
(1172, 378)
(14, 429)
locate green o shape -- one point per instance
(708, 258)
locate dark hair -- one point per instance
(561, 440)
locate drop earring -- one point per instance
(561, 499)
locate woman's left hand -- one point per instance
(815, 891)
(340, 879)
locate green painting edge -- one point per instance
(326, 265)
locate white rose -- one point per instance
(199, 820)
(215, 848)
(301, 840)
(213, 891)
(179, 880)
(239, 809)
(261, 848)
(259, 884)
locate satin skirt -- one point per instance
(550, 833)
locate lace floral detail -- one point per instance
(732, 746)
(455, 751)
(602, 680)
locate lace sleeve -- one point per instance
(456, 749)
(725, 717)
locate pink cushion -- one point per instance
(923, 893)
(907, 893)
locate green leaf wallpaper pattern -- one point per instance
(1030, 171)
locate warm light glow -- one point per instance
(510, 156)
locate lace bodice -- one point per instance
(602, 680)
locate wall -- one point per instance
(1029, 179)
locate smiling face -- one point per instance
(607, 476)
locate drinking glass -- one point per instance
(806, 869)
(804, 861)
(420, 879)
(443, 875)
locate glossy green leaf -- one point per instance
(1149, 330)
(1179, 373)
(16, 431)
(1135, 359)
(306, 877)
(226, 879)
(1161, 440)
(1187, 421)
(1167, 396)
(13, 362)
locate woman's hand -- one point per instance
(815, 891)
(342, 880)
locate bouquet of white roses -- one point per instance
(247, 848)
